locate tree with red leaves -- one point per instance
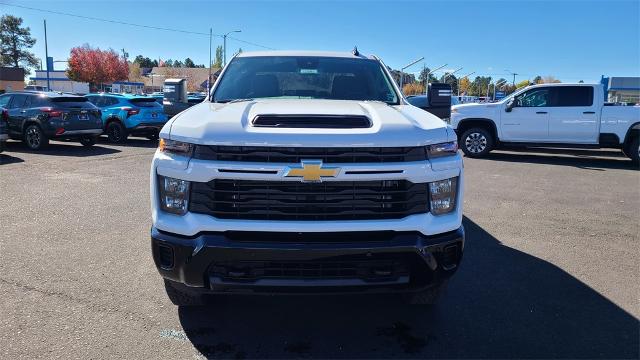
(96, 66)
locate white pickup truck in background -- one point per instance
(562, 115)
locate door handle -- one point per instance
(541, 112)
(588, 112)
(23, 111)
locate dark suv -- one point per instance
(36, 117)
(4, 115)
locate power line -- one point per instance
(105, 20)
(130, 24)
(250, 43)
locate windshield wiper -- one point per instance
(233, 100)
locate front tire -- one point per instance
(179, 296)
(88, 140)
(476, 142)
(429, 296)
(116, 133)
(35, 138)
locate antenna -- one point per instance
(355, 51)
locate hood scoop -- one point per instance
(312, 121)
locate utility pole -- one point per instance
(46, 54)
(125, 56)
(224, 46)
(209, 81)
(514, 76)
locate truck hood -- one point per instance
(230, 124)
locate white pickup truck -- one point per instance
(306, 172)
(567, 115)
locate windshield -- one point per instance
(144, 102)
(304, 77)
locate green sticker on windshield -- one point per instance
(308, 71)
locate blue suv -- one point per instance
(124, 115)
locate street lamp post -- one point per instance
(403, 69)
(499, 83)
(46, 54)
(431, 72)
(446, 75)
(224, 46)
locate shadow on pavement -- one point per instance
(131, 142)
(580, 158)
(502, 303)
(60, 148)
(6, 159)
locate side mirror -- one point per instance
(510, 104)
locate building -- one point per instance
(11, 79)
(59, 81)
(127, 87)
(622, 89)
(196, 77)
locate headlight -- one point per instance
(442, 196)
(175, 147)
(454, 110)
(442, 149)
(174, 195)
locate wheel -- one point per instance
(633, 151)
(88, 140)
(179, 296)
(153, 137)
(476, 142)
(116, 132)
(429, 296)
(35, 138)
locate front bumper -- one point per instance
(235, 261)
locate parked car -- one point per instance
(35, 88)
(125, 114)
(37, 117)
(4, 135)
(158, 96)
(196, 99)
(306, 172)
(567, 115)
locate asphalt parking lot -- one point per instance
(550, 270)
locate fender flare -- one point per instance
(635, 127)
(492, 125)
(112, 119)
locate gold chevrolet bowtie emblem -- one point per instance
(311, 171)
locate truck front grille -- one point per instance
(287, 200)
(289, 155)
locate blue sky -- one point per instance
(571, 40)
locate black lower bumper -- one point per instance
(268, 262)
(146, 129)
